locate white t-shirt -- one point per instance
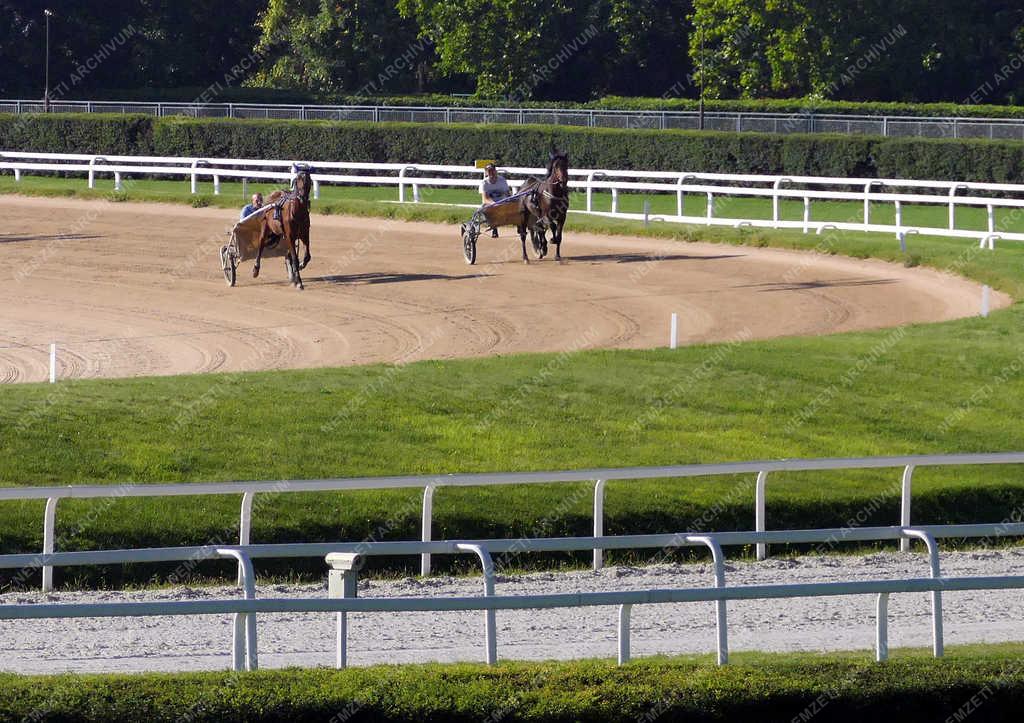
(497, 190)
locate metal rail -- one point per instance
(805, 121)
(429, 484)
(245, 641)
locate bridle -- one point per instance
(558, 185)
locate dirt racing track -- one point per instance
(132, 289)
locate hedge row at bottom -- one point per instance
(779, 688)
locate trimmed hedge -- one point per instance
(807, 154)
(611, 102)
(77, 133)
(775, 688)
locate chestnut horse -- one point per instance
(288, 222)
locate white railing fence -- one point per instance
(809, 121)
(429, 484)
(804, 190)
(244, 634)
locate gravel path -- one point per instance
(203, 642)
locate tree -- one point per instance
(347, 46)
(861, 49)
(650, 47)
(122, 44)
(515, 49)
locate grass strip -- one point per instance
(983, 684)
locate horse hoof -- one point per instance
(255, 272)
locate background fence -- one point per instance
(806, 122)
(806, 190)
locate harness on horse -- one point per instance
(285, 198)
(278, 216)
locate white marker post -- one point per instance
(986, 300)
(53, 363)
(673, 338)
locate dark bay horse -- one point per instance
(548, 204)
(288, 223)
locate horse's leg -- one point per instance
(259, 253)
(305, 242)
(556, 238)
(297, 280)
(522, 240)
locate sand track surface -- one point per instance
(807, 624)
(136, 289)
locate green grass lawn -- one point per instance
(952, 387)
(985, 683)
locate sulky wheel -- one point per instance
(469, 244)
(227, 262)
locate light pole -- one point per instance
(46, 90)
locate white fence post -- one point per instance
(777, 201)
(599, 521)
(722, 623)
(906, 491)
(624, 615)
(92, 171)
(673, 332)
(952, 206)
(490, 627)
(244, 642)
(807, 214)
(245, 526)
(342, 582)
(760, 521)
(53, 363)
(49, 527)
(711, 207)
(938, 645)
(426, 525)
(882, 627)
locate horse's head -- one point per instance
(558, 166)
(303, 184)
